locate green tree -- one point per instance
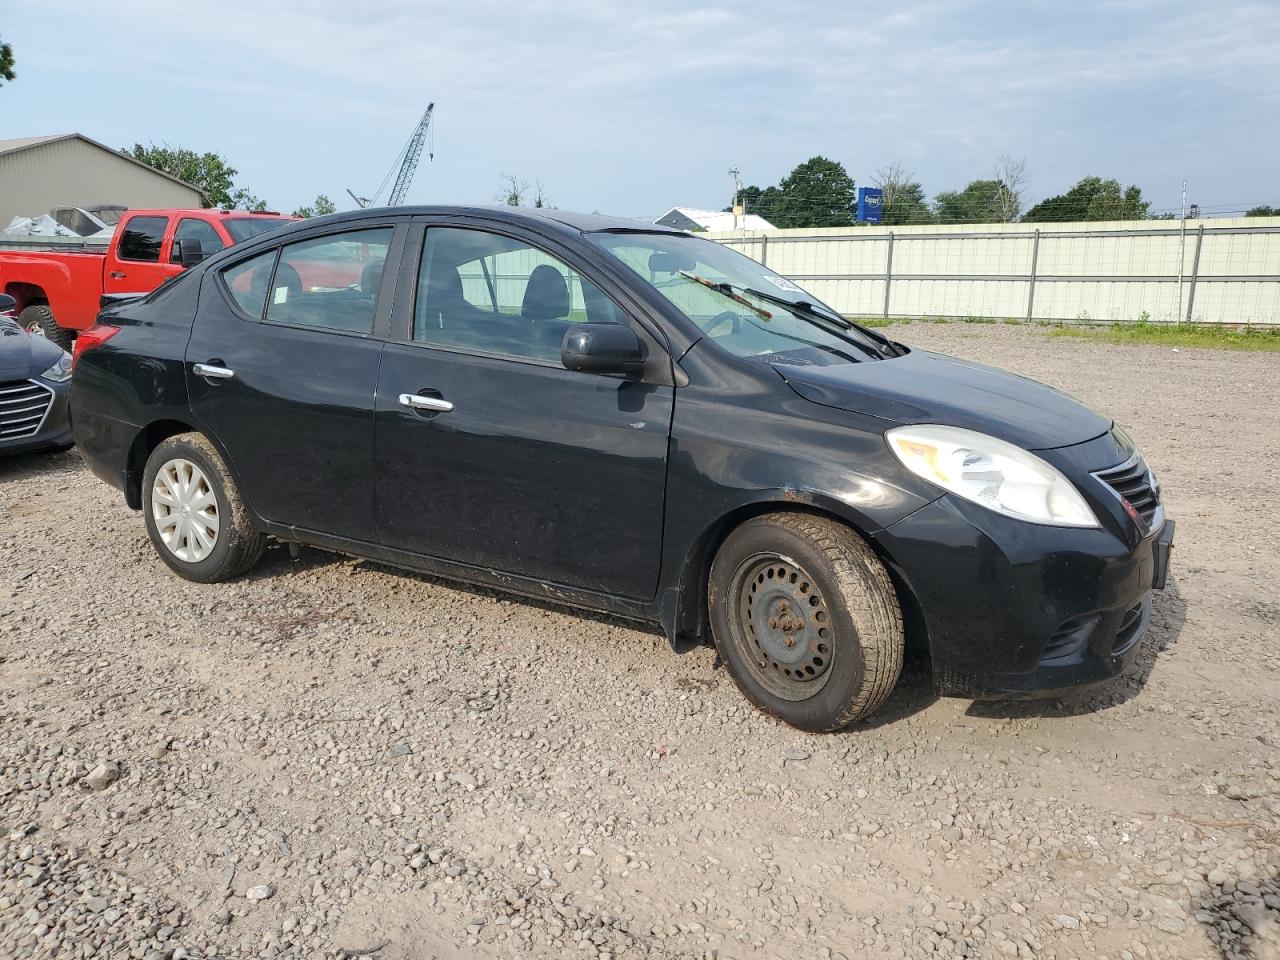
(817, 193)
(6, 63)
(512, 190)
(761, 202)
(242, 199)
(904, 200)
(1263, 211)
(1091, 199)
(320, 207)
(982, 201)
(207, 172)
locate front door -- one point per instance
(138, 260)
(282, 366)
(516, 464)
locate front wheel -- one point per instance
(39, 321)
(806, 619)
(194, 513)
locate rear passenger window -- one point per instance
(141, 238)
(331, 282)
(494, 294)
(248, 283)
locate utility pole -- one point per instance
(735, 173)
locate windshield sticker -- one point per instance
(782, 283)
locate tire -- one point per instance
(806, 618)
(39, 320)
(214, 539)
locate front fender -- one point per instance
(731, 461)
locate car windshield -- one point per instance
(739, 303)
(244, 228)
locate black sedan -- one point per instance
(627, 418)
(34, 389)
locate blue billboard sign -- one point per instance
(870, 204)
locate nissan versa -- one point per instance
(627, 418)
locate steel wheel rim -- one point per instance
(185, 510)
(782, 626)
(35, 328)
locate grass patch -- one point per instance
(1209, 336)
(876, 322)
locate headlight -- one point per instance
(60, 371)
(992, 473)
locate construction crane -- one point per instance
(407, 161)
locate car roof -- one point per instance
(544, 217)
(212, 212)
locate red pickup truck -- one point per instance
(58, 290)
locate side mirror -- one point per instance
(188, 252)
(607, 348)
(8, 305)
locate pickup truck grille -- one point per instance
(1134, 483)
(23, 405)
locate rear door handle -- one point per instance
(212, 372)
(417, 401)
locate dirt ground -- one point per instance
(330, 758)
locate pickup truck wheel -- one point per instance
(806, 619)
(39, 320)
(194, 513)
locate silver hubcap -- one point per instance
(185, 510)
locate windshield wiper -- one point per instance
(726, 290)
(812, 310)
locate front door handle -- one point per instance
(117, 275)
(417, 401)
(212, 372)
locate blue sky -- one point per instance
(632, 108)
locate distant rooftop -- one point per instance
(691, 218)
(21, 143)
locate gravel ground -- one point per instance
(329, 758)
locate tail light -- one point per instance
(89, 339)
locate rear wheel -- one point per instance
(38, 320)
(806, 619)
(194, 513)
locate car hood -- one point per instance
(924, 387)
(22, 355)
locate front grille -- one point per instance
(1134, 483)
(23, 404)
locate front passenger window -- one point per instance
(484, 292)
(330, 282)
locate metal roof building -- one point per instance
(691, 218)
(70, 170)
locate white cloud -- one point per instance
(630, 108)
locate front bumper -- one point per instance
(54, 432)
(1017, 610)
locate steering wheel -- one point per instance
(731, 317)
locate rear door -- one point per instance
(532, 469)
(138, 260)
(282, 366)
